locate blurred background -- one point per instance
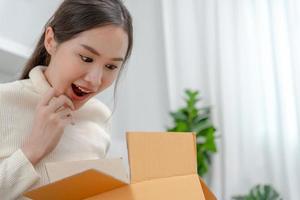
(241, 55)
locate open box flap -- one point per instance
(161, 154)
(76, 187)
(175, 188)
(207, 193)
(110, 166)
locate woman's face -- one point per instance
(87, 64)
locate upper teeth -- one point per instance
(83, 90)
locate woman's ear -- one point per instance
(49, 42)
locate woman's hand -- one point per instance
(51, 116)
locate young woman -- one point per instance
(50, 114)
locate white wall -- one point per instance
(4, 78)
(21, 23)
(22, 20)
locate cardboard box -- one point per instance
(162, 165)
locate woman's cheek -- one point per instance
(108, 82)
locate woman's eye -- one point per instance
(86, 59)
(111, 67)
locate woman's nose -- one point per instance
(94, 76)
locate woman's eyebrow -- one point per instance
(92, 50)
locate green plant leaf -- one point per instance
(200, 118)
(210, 144)
(200, 127)
(193, 119)
(260, 192)
(178, 116)
(182, 127)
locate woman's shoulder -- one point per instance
(15, 87)
(11, 91)
(10, 87)
(98, 103)
(96, 110)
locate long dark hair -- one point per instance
(75, 16)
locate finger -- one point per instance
(68, 102)
(64, 106)
(47, 97)
(67, 112)
(61, 101)
(60, 108)
(66, 121)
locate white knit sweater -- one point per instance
(87, 139)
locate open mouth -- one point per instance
(79, 91)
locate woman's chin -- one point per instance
(79, 103)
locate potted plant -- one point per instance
(260, 192)
(193, 119)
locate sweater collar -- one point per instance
(39, 80)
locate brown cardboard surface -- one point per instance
(207, 193)
(110, 166)
(122, 193)
(159, 155)
(163, 166)
(175, 188)
(79, 186)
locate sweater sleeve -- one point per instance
(17, 174)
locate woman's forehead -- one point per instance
(103, 40)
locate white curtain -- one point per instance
(244, 57)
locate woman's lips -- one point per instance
(78, 98)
